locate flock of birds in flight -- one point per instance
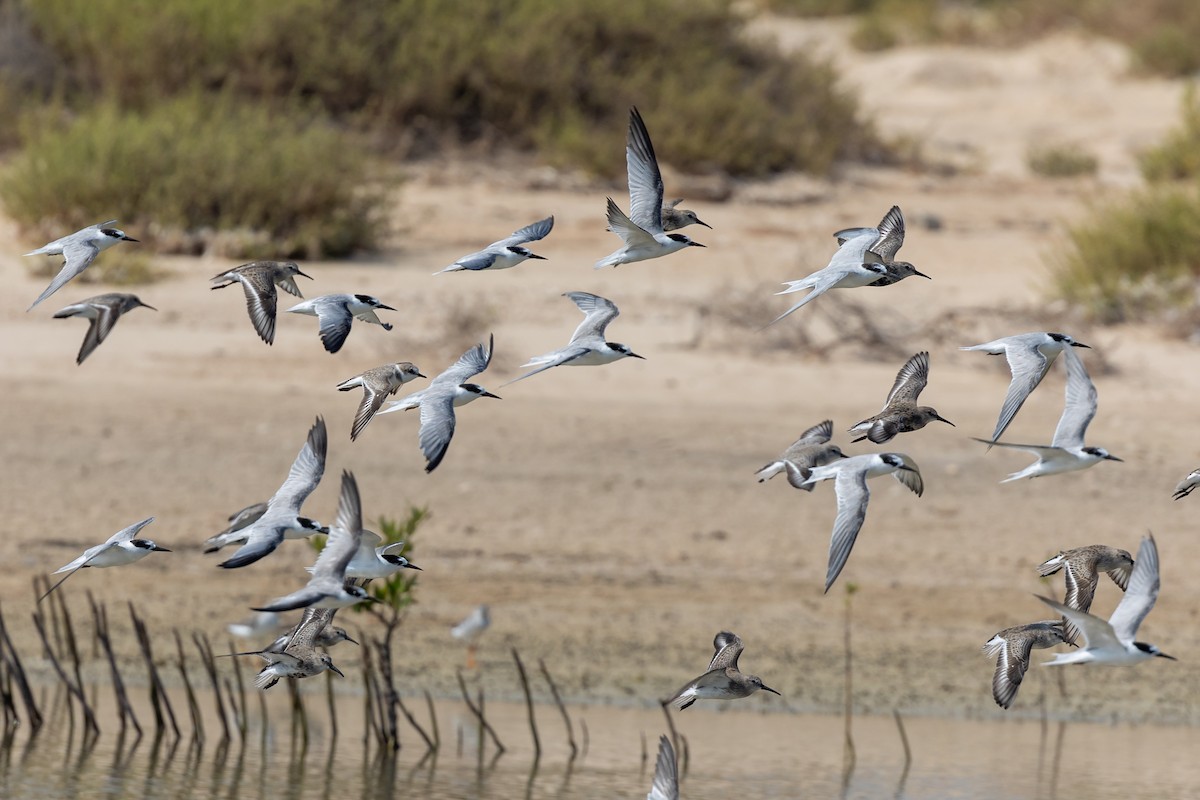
(865, 257)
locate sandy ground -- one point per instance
(609, 515)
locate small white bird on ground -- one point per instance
(471, 628)
(120, 549)
(79, 250)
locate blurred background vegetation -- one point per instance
(1161, 34)
(186, 115)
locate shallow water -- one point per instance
(731, 753)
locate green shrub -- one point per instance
(532, 73)
(199, 162)
(1060, 161)
(1178, 157)
(1134, 256)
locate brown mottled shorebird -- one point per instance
(102, 311)
(1186, 485)
(675, 218)
(812, 449)
(1082, 567)
(326, 636)
(890, 238)
(1011, 648)
(300, 658)
(900, 412)
(723, 680)
(1030, 356)
(259, 279)
(377, 383)
(666, 773)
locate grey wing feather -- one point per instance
(629, 231)
(530, 233)
(98, 329)
(126, 534)
(852, 497)
(645, 180)
(306, 470)
(370, 404)
(344, 534)
(261, 303)
(555, 359)
(598, 312)
(437, 428)
(1141, 593)
(334, 321)
(728, 647)
(1120, 576)
(817, 434)
(1011, 666)
(1028, 367)
(78, 257)
(1081, 590)
(910, 480)
(470, 363)
(891, 235)
(309, 628)
(666, 773)
(910, 380)
(1080, 405)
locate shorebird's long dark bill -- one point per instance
(922, 274)
(695, 244)
(335, 669)
(1164, 655)
(129, 239)
(539, 258)
(489, 394)
(1081, 344)
(943, 419)
(410, 565)
(310, 277)
(702, 222)
(158, 549)
(389, 308)
(769, 689)
(1114, 458)
(351, 641)
(635, 355)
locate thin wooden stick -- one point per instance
(193, 705)
(17, 670)
(433, 723)
(478, 712)
(562, 708)
(537, 744)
